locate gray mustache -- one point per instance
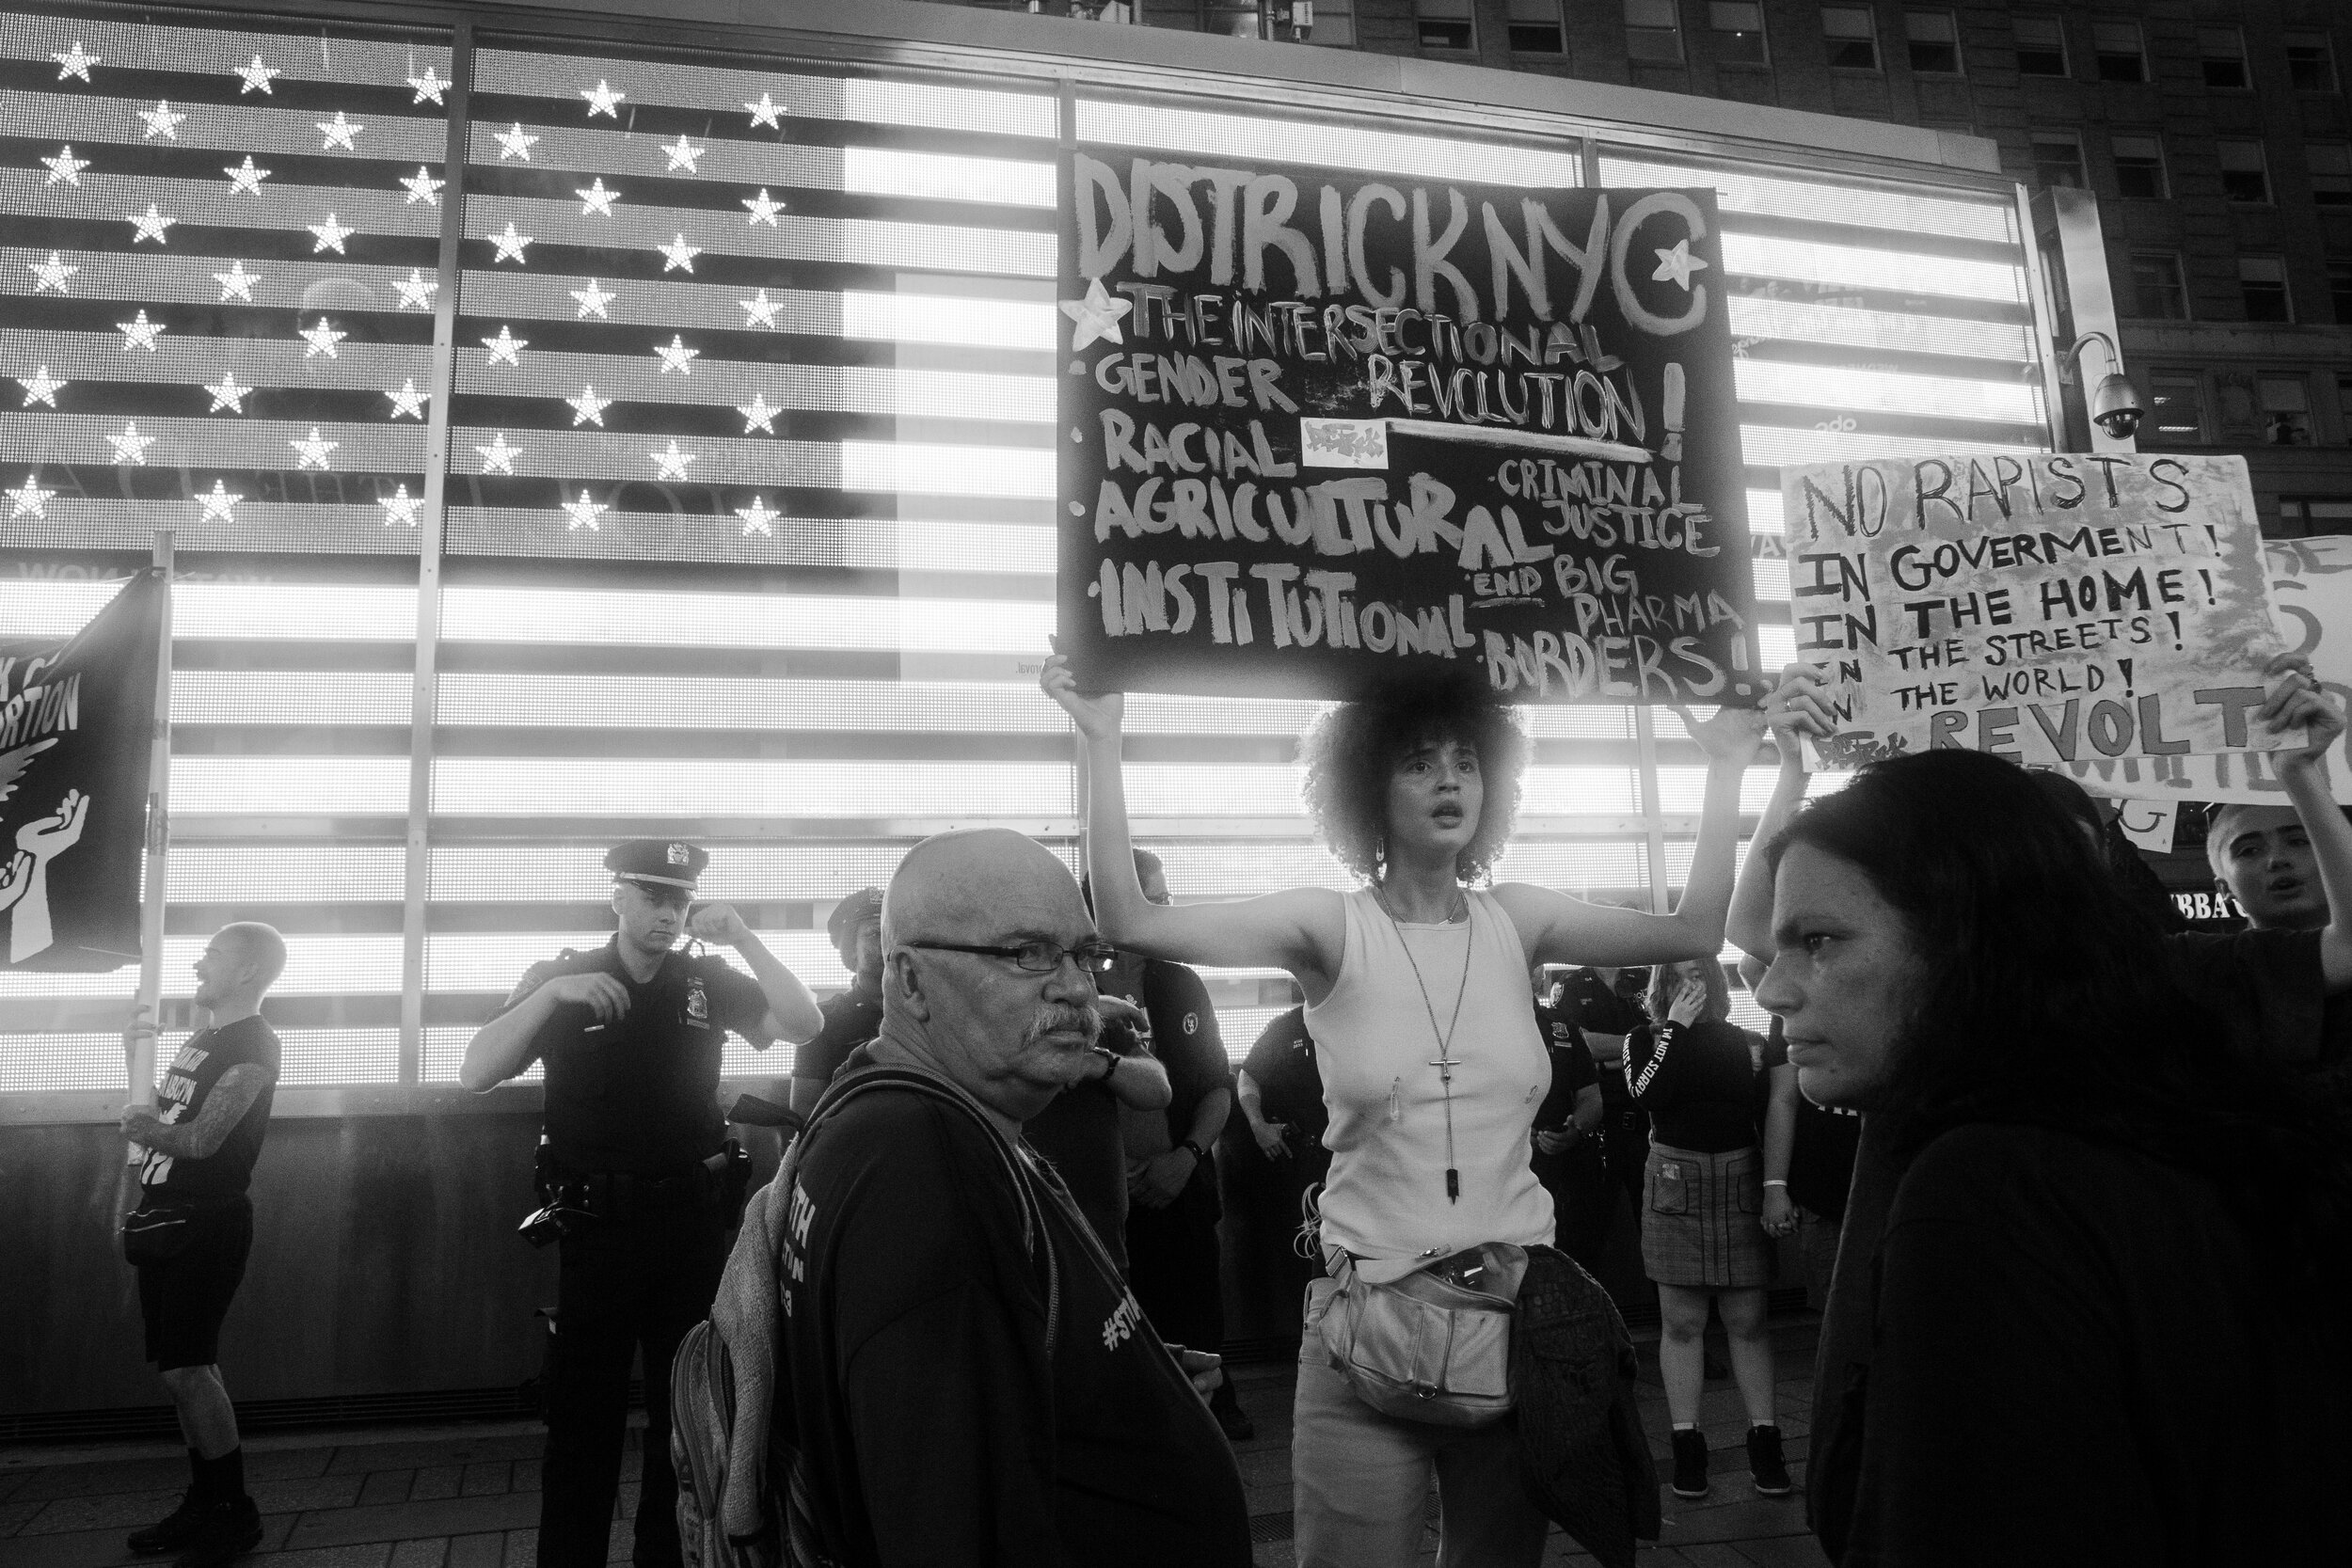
(1059, 1018)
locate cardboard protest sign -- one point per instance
(2311, 598)
(77, 719)
(2054, 608)
(1322, 429)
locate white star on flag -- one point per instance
(593, 299)
(505, 349)
(677, 256)
(416, 290)
(330, 235)
(670, 464)
(65, 166)
(682, 155)
(510, 246)
(602, 100)
(140, 333)
(1676, 265)
(162, 121)
(338, 132)
(759, 311)
(758, 414)
(758, 519)
(408, 404)
(75, 61)
(765, 111)
(429, 87)
(227, 394)
(677, 356)
(52, 272)
(220, 504)
(131, 447)
(498, 457)
(43, 388)
(400, 507)
(244, 177)
(595, 199)
(312, 451)
(585, 511)
(29, 496)
(149, 224)
(236, 283)
(1097, 316)
(322, 339)
(763, 208)
(517, 143)
(588, 408)
(422, 186)
(255, 75)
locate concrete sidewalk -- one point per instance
(468, 1497)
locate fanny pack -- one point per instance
(159, 1233)
(1434, 1346)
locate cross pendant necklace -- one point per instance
(1446, 1062)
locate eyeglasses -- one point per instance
(1037, 957)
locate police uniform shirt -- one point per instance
(640, 1094)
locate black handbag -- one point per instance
(159, 1233)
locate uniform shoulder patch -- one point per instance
(541, 972)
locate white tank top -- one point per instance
(1385, 1195)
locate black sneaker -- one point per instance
(174, 1530)
(1764, 1462)
(1689, 1463)
(1226, 1406)
(229, 1531)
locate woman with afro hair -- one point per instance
(1433, 1070)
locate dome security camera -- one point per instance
(2116, 408)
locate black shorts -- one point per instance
(182, 1302)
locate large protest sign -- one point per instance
(1322, 429)
(2054, 609)
(76, 722)
(2311, 598)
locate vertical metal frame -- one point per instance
(2045, 324)
(424, 691)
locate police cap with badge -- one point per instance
(657, 862)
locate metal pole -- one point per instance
(141, 1064)
(1653, 808)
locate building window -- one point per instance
(2140, 168)
(2301, 516)
(1535, 27)
(2176, 407)
(2331, 173)
(1653, 31)
(2263, 280)
(2311, 62)
(2243, 175)
(2224, 49)
(1738, 29)
(2118, 46)
(2157, 288)
(2040, 46)
(1335, 25)
(1443, 23)
(1934, 40)
(1854, 37)
(2340, 290)
(2286, 411)
(2057, 160)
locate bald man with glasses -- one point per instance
(964, 1374)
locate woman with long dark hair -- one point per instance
(2105, 1320)
(1433, 1070)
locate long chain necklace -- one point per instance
(1445, 1064)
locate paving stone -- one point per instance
(373, 1554)
(454, 1451)
(385, 1486)
(13, 1515)
(303, 1496)
(1784, 1551)
(344, 1526)
(124, 1511)
(490, 1479)
(76, 1549)
(435, 1481)
(286, 1464)
(522, 1548)
(13, 1477)
(427, 1553)
(477, 1551)
(526, 1475)
(1713, 1555)
(105, 1477)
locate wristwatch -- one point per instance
(1199, 1155)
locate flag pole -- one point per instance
(141, 1046)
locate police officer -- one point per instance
(634, 1166)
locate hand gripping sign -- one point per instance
(2054, 607)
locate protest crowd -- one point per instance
(2079, 1182)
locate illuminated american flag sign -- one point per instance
(218, 253)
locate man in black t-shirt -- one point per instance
(1566, 1156)
(963, 1376)
(855, 1016)
(1603, 1005)
(1280, 1091)
(633, 1155)
(200, 1151)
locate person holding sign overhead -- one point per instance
(1416, 987)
